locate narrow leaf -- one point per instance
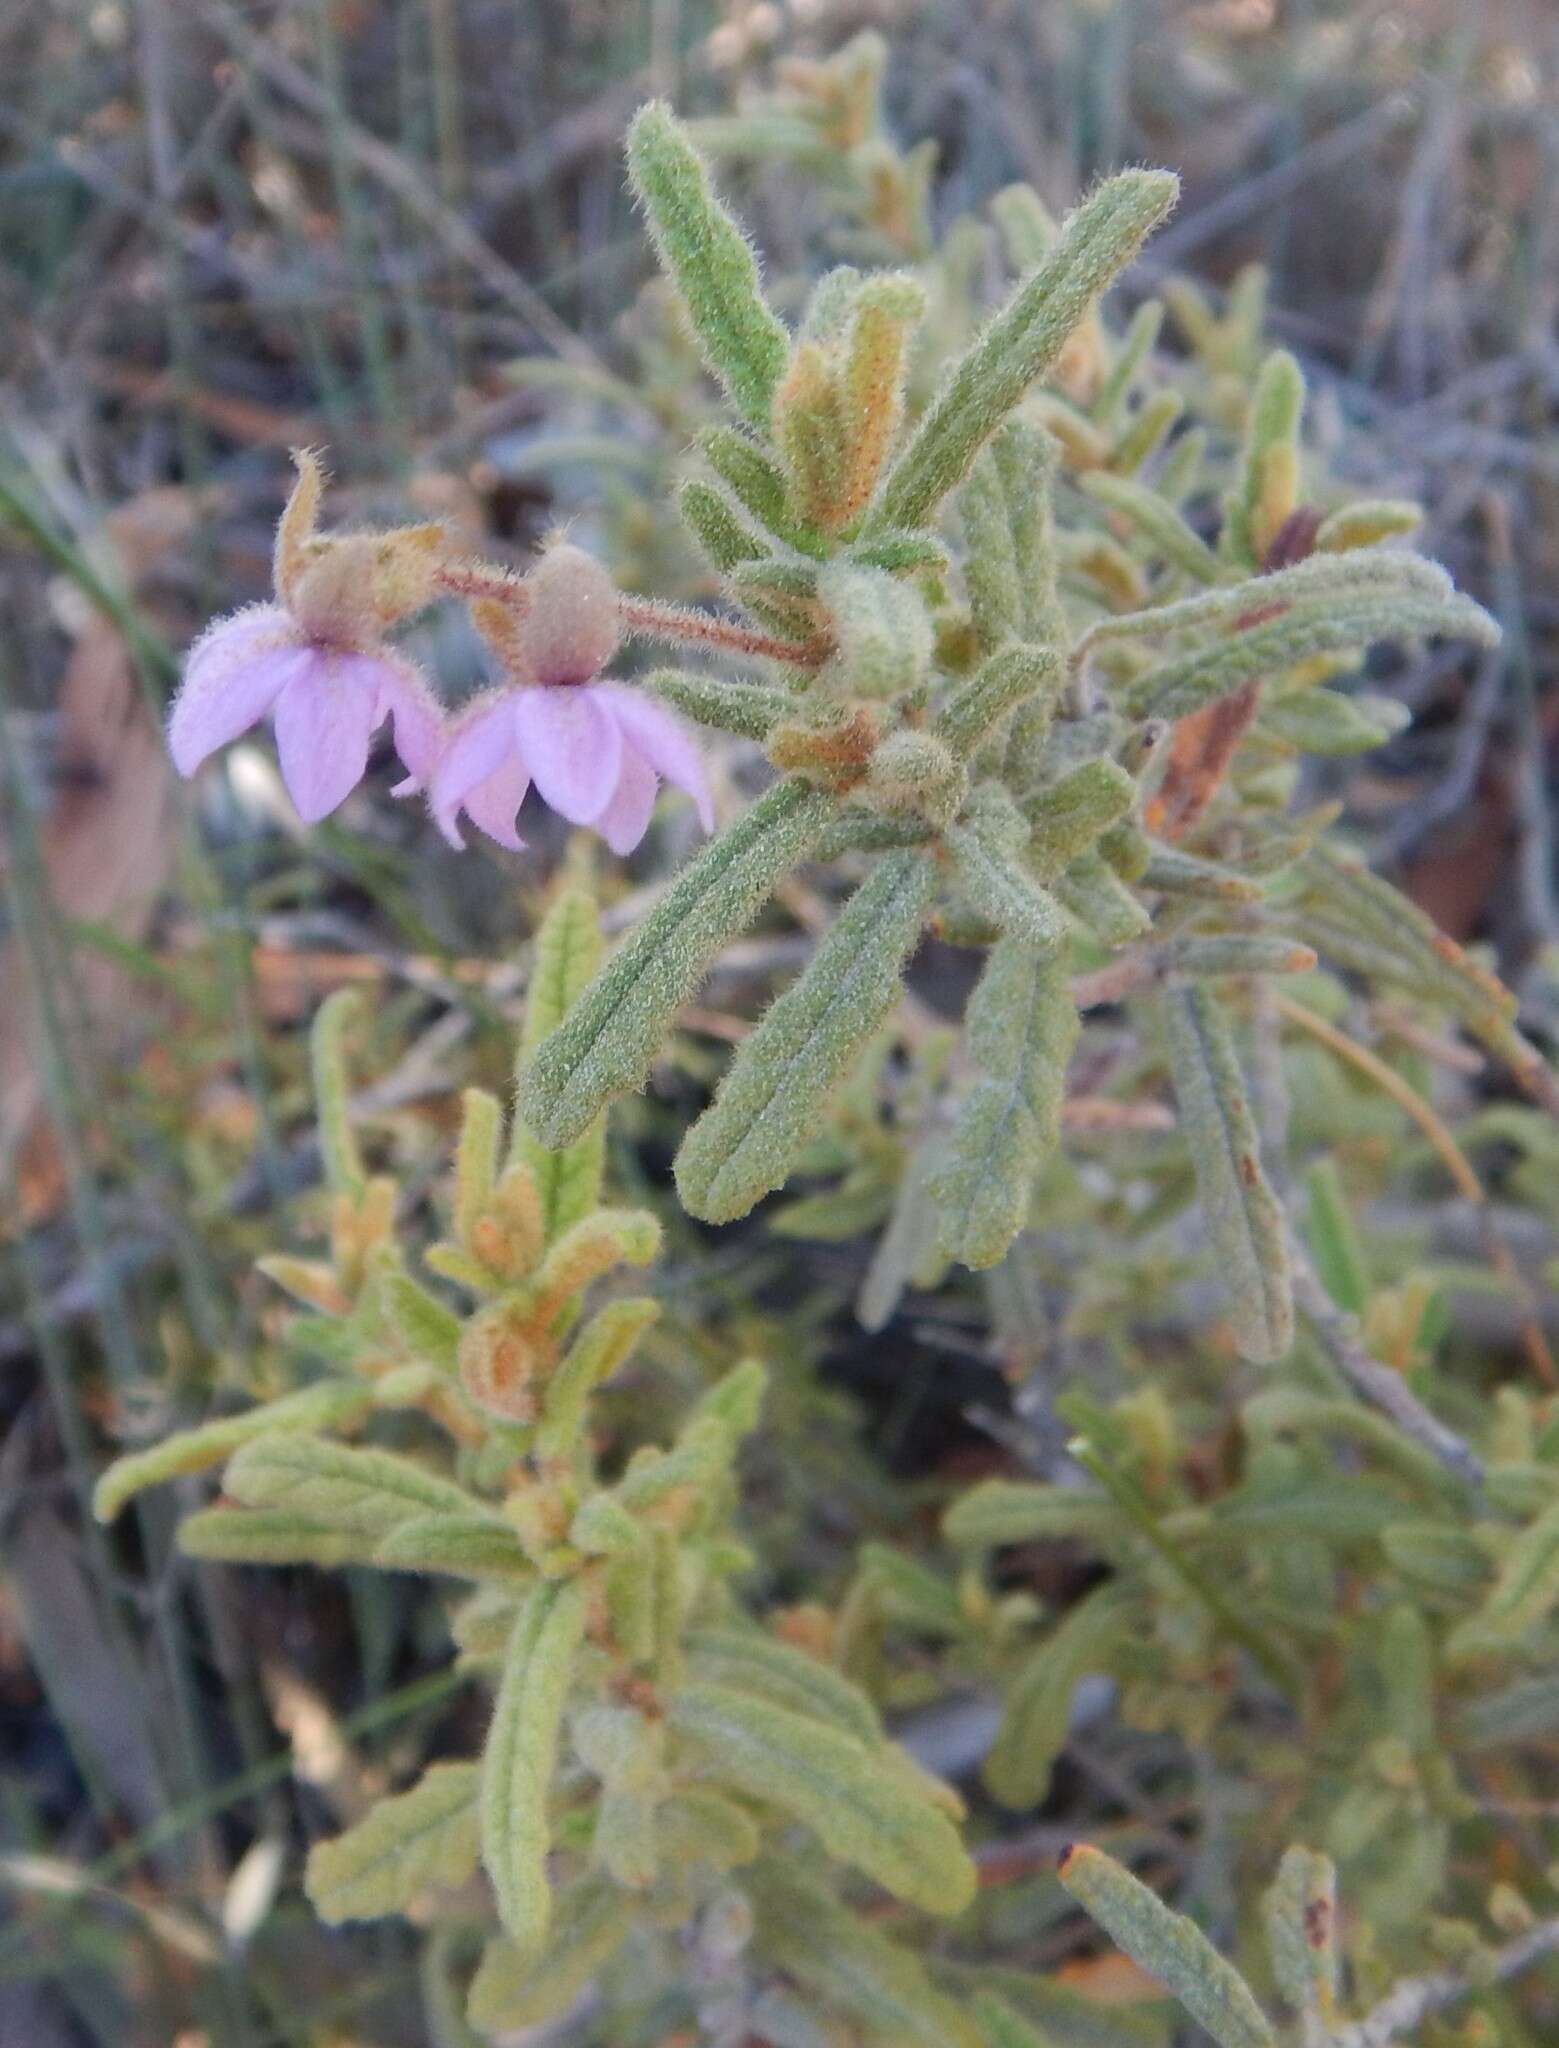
(1243, 1215)
(319, 1407)
(606, 1043)
(425, 1836)
(1021, 1028)
(1024, 340)
(1168, 1946)
(521, 1754)
(709, 260)
(368, 1490)
(514, 1987)
(774, 1093)
(834, 1784)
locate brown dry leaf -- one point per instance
(106, 848)
(1200, 751)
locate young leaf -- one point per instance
(709, 260)
(1243, 1215)
(1021, 1028)
(882, 631)
(716, 526)
(515, 1988)
(606, 1043)
(767, 1106)
(330, 1403)
(567, 954)
(1074, 811)
(521, 1754)
(999, 1511)
(425, 1836)
(1024, 340)
(1168, 1946)
(834, 1784)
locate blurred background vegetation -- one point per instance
(228, 230)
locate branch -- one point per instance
(1417, 1997)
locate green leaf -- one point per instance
(1155, 519)
(1038, 1707)
(1168, 1946)
(988, 847)
(1021, 1028)
(752, 1661)
(834, 1784)
(775, 1091)
(746, 708)
(1301, 1917)
(469, 1546)
(428, 1330)
(1013, 675)
(716, 526)
(521, 1756)
(567, 954)
(329, 1403)
(514, 1987)
(1000, 1511)
(332, 1095)
(709, 261)
(1339, 1253)
(418, 1838)
(1525, 1589)
(611, 1035)
(1024, 341)
(882, 631)
(1243, 1216)
(600, 1349)
(1073, 812)
(1348, 620)
(367, 1490)
(854, 1967)
(273, 1536)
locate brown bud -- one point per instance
(503, 1358)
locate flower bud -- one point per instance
(571, 629)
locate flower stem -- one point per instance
(677, 622)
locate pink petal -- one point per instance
(233, 674)
(323, 721)
(571, 746)
(661, 738)
(626, 818)
(480, 761)
(417, 722)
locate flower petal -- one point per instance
(626, 818)
(232, 676)
(571, 746)
(479, 750)
(323, 721)
(417, 722)
(663, 741)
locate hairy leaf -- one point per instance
(748, 1140)
(606, 1043)
(425, 1836)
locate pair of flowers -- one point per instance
(317, 662)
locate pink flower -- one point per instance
(325, 701)
(315, 661)
(595, 751)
